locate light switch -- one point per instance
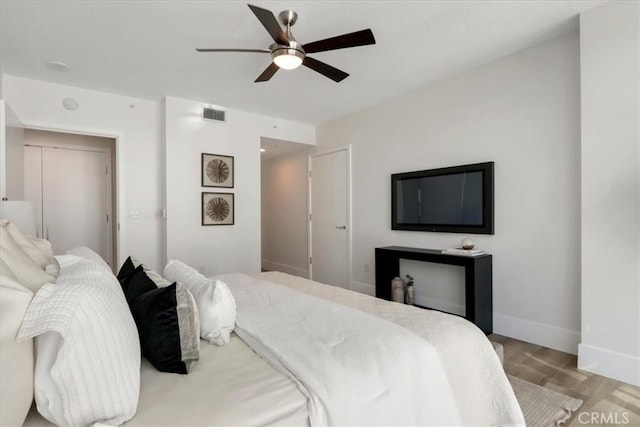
(134, 214)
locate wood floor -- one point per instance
(606, 402)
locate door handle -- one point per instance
(342, 227)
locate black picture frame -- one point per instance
(217, 170)
(217, 209)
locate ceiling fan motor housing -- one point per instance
(294, 49)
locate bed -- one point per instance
(455, 375)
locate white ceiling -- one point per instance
(146, 48)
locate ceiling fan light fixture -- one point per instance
(287, 58)
(288, 54)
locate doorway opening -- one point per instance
(284, 206)
(71, 179)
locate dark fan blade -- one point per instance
(235, 50)
(325, 69)
(359, 38)
(269, 22)
(268, 73)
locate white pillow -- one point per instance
(87, 347)
(216, 305)
(23, 267)
(53, 269)
(36, 251)
(87, 253)
(16, 358)
(43, 245)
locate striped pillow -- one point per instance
(86, 339)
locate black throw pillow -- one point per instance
(126, 272)
(167, 320)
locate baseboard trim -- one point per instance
(363, 288)
(290, 269)
(619, 366)
(537, 333)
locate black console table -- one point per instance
(477, 272)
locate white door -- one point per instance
(75, 198)
(329, 223)
(33, 181)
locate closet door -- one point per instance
(33, 181)
(75, 200)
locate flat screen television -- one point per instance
(456, 199)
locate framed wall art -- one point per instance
(217, 209)
(217, 170)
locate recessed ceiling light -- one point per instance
(262, 150)
(58, 66)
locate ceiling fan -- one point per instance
(287, 53)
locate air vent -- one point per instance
(211, 114)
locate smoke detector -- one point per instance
(70, 104)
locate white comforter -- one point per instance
(480, 386)
(355, 368)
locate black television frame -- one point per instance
(487, 199)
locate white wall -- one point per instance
(217, 249)
(523, 113)
(3, 149)
(134, 123)
(284, 214)
(11, 154)
(610, 74)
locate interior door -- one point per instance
(33, 181)
(329, 218)
(74, 197)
